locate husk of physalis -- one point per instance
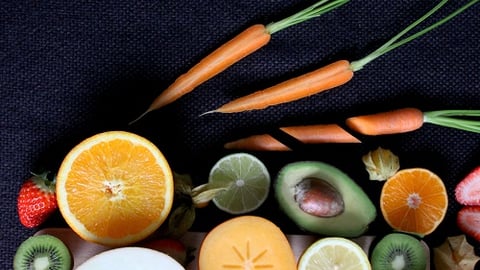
(381, 164)
(455, 254)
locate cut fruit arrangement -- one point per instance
(116, 189)
(412, 200)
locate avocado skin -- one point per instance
(359, 210)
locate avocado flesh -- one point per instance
(359, 211)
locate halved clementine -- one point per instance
(414, 201)
(115, 188)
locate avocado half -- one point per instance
(358, 210)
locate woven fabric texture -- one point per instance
(70, 69)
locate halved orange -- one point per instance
(115, 188)
(414, 201)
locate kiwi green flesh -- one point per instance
(399, 251)
(42, 252)
(358, 210)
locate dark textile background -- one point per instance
(70, 69)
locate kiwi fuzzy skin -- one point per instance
(399, 244)
(43, 245)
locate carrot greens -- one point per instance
(458, 119)
(396, 41)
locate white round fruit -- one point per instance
(130, 258)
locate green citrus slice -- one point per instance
(334, 253)
(245, 180)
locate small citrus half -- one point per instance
(246, 182)
(334, 253)
(414, 201)
(115, 188)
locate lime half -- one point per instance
(246, 182)
(334, 253)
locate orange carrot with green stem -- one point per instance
(383, 123)
(307, 134)
(242, 45)
(332, 75)
(410, 119)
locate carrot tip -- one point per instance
(138, 118)
(209, 112)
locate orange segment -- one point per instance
(414, 200)
(115, 188)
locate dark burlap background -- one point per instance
(70, 69)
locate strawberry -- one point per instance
(467, 191)
(36, 200)
(468, 220)
(172, 247)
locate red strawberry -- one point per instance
(172, 247)
(468, 220)
(36, 200)
(467, 191)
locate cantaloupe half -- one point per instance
(246, 242)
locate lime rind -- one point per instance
(246, 181)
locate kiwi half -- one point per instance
(398, 251)
(42, 252)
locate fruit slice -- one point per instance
(42, 252)
(468, 220)
(246, 181)
(127, 258)
(399, 251)
(467, 191)
(246, 242)
(322, 199)
(414, 200)
(334, 253)
(115, 188)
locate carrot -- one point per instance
(325, 78)
(391, 122)
(240, 46)
(308, 134)
(330, 76)
(410, 119)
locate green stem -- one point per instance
(308, 13)
(396, 42)
(450, 119)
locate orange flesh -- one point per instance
(114, 191)
(246, 242)
(414, 200)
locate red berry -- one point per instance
(468, 220)
(467, 191)
(36, 200)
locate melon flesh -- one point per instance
(246, 242)
(131, 258)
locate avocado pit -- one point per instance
(318, 198)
